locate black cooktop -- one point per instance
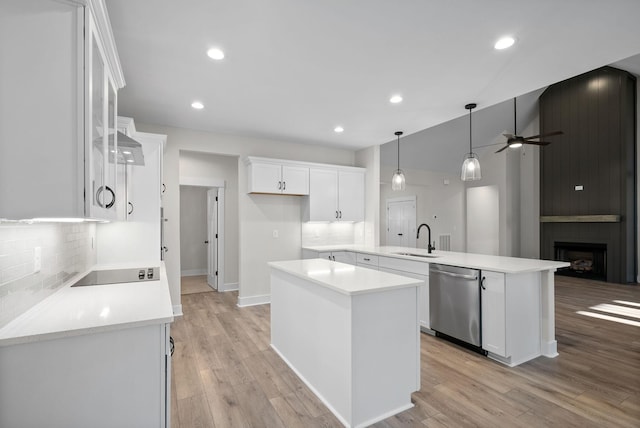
(118, 276)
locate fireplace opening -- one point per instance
(587, 260)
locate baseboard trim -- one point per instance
(193, 272)
(243, 302)
(230, 286)
(177, 310)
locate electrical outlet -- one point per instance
(37, 259)
(275, 233)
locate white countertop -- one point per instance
(73, 311)
(344, 278)
(474, 261)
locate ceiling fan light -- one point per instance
(471, 168)
(515, 145)
(398, 181)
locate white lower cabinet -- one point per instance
(340, 256)
(367, 260)
(412, 269)
(511, 319)
(115, 378)
(493, 302)
(347, 257)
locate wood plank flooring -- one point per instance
(226, 375)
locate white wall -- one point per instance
(258, 215)
(223, 169)
(193, 230)
(67, 249)
(369, 158)
(439, 205)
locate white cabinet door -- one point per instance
(295, 180)
(344, 257)
(323, 195)
(423, 294)
(351, 196)
(265, 178)
(493, 313)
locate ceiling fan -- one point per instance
(514, 140)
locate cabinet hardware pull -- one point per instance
(482, 283)
(367, 260)
(164, 188)
(340, 214)
(99, 194)
(279, 185)
(284, 185)
(399, 234)
(131, 208)
(336, 214)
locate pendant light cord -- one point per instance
(398, 152)
(398, 134)
(470, 133)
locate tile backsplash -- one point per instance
(336, 233)
(66, 249)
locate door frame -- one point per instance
(409, 198)
(220, 185)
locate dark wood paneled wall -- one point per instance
(596, 112)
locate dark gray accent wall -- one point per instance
(596, 112)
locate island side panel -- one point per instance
(386, 353)
(310, 330)
(548, 343)
(523, 323)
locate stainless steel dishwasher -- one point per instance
(454, 303)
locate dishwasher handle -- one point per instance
(457, 275)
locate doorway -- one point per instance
(202, 232)
(401, 221)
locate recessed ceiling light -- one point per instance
(338, 129)
(215, 53)
(504, 43)
(395, 99)
(197, 105)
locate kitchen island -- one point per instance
(350, 333)
(518, 304)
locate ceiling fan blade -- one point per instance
(537, 143)
(547, 134)
(504, 148)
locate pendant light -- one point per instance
(397, 181)
(471, 165)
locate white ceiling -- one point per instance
(294, 69)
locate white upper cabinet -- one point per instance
(351, 195)
(323, 199)
(57, 111)
(277, 177)
(335, 194)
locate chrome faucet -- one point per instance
(429, 247)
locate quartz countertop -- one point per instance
(469, 260)
(344, 278)
(72, 311)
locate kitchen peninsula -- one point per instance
(517, 304)
(350, 333)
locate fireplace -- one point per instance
(587, 260)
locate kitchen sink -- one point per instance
(428, 256)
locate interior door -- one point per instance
(401, 223)
(212, 238)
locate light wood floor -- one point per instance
(194, 284)
(226, 375)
